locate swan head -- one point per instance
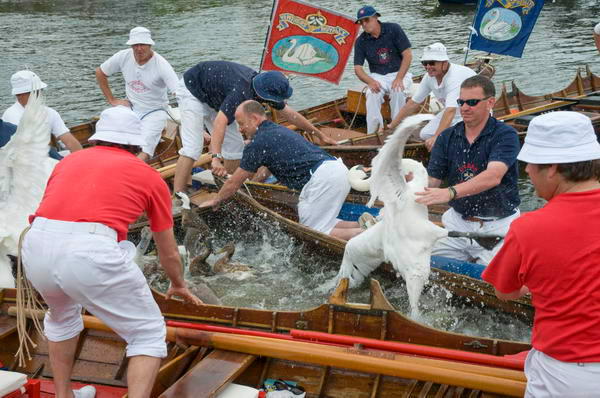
(359, 178)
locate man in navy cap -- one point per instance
(387, 50)
(208, 95)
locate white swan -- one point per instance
(404, 236)
(495, 29)
(24, 170)
(303, 55)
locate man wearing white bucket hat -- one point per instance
(77, 255)
(22, 83)
(597, 36)
(443, 79)
(148, 77)
(554, 253)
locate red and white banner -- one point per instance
(309, 40)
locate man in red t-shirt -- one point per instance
(76, 253)
(554, 253)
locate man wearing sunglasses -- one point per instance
(478, 160)
(443, 79)
(387, 51)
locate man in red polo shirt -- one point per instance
(76, 253)
(554, 253)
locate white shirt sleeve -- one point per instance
(114, 63)
(13, 114)
(57, 125)
(424, 89)
(458, 75)
(169, 76)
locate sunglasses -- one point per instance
(283, 386)
(430, 63)
(470, 102)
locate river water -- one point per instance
(64, 41)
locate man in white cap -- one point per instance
(597, 36)
(387, 50)
(77, 255)
(148, 77)
(443, 79)
(208, 95)
(477, 158)
(554, 253)
(22, 83)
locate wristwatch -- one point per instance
(217, 156)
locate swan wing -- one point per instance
(24, 171)
(387, 177)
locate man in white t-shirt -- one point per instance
(22, 83)
(597, 36)
(443, 79)
(148, 77)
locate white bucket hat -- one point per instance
(22, 82)
(560, 137)
(139, 35)
(435, 52)
(119, 125)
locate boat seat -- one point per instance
(11, 381)
(593, 100)
(211, 376)
(8, 326)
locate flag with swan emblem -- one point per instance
(504, 26)
(308, 40)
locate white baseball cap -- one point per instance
(560, 137)
(22, 82)
(435, 52)
(139, 35)
(119, 125)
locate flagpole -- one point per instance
(471, 31)
(268, 34)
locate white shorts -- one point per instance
(548, 377)
(431, 127)
(153, 124)
(466, 249)
(75, 265)
(323, 195)
(195, 115)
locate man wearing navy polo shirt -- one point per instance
(478, 159)
(387, 51)
(298, 164)
(208, 95)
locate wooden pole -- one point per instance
(169, 171)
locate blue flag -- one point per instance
(503, 26)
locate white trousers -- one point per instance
(75, 265)
(466, 249)
(195, 115)
(153, 124)
(375, 100)
(323, 195)
(550, 378)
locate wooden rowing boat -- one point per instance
(202, 363)
(313, 242)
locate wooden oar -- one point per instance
(169, 171)
(500, 381)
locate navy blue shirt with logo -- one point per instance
(455, 160)
(223, 86)
(286, 154)
(384, 53)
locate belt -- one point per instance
(71, 227)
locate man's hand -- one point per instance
(325, 139)
(398, 84)
(217, 168)
(375, 86)
(433, 196)
(214, 203)
(430, 142)
(122, 102)
(207, 138)
(184, 293)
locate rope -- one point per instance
(356, 111)
(27, 303)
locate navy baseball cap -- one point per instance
(366, 12)
(272, 86)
